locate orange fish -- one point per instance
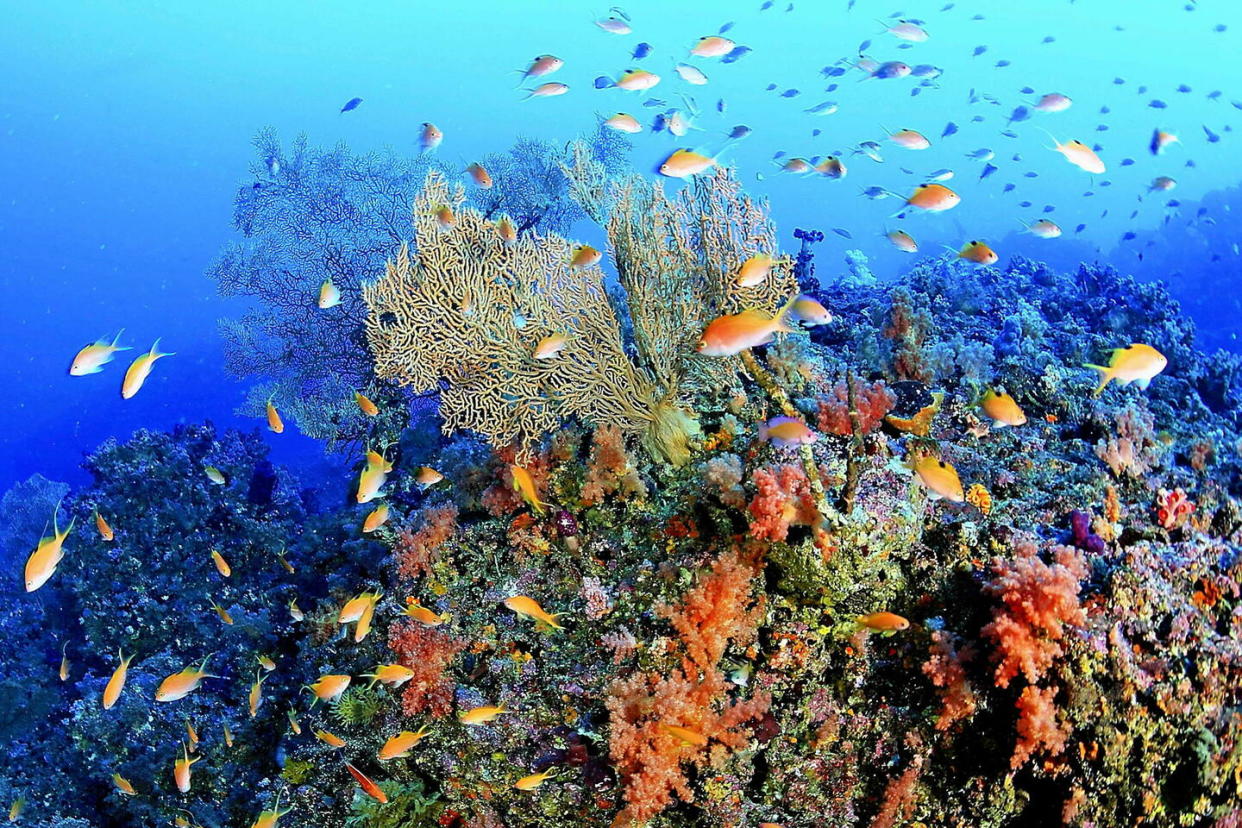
(50, 551)
(421, 614)
(123, 785)
(140, 369)
(713, 46)
(368, 787)
(329, 739)
(256, 694)
(684, 163)
(785, 432)
(902, 240)
(584, 255)
(755, 270)
(479, 176)
(1078, 154)
(377, 518)
(429, 137)
(529, 607)
(330, 686)
(481, 715)
(222, 566)
(365, 405)
(356, 607)
(940, 478)
(542, 65)
(64, 663)
(731, 334)
(426, 477)
(506, 230)
(401, 744)
(1001, 409)
(116, 684)
(373, 477)
(933, 198)
(534, 780)
(978, 253)
(394, 675)
(179, 685)
(105, 531)
(274, 423)
(685, 735)
(181, 769)
(637, 80)
(1134, 363)
(524, 485)
(886, 622)
(550, 346)
(445, 217)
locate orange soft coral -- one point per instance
(427, 651)
(650, 759)
(871, 401)
(501, 498)
(414, 548)
(610, 470)
(783, 498)
(1038, 600)
(1038, 729)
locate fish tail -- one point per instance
(156, 353)
(1055, 142)
(1106, 376)
(782, 323)
(117, 339)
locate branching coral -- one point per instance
(466, 312)
(717, 613)
(1037, 601)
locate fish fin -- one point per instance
(156, 353)
(1144, 382)
(1106, 377)
(782, 323)
(117, 339)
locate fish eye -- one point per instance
(941, 462)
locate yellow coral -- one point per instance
(980, 498)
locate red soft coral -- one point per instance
(428, 652)
(694, 696)
(414, 548)
(610, 470)
(871, 401)
(1038, 729)
(783, 499)
(1038, 600)
(944, 668)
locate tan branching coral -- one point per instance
(464, 312)
(678, 258)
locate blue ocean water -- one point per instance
(125, 131)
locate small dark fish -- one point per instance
(988, 169)
(926, 70)
(1031, 174)
(1048, 208)
(1096, 147)
(1088, 194)
(1009, 133)
(1001, 64)
(1183, 88)
(1010, 187)
(1173, 202)
(1080, 228)
(1219, 27)
(949, 129)
(603, 82)
(779, 154)
(352, 103)
(1106, 183)
(1202, 211)
(1101, 128)
(916, 91)
(641, 51)
(739, 131)
(1142, 90)
(820, 107)
(721, 106)
(725, 27)
(767, 4)
(1128, 235)
(842, 232)
(978, 17)
(832, 71)
(1020, 113)
(790, 93)
(1026, 90)
(1190, 162)
(864, 46)
(815, 133)
(1024, 204)
(1211, 136)
(769, 87)
(832, 87)
(736, 54)
(1104, 110)
(789, 8)
(1049, 39)
(1156, 103)
(977, 119)
(655, 102)
(1213, 95)
(1236, 104)
(1126, 162)
(1104, 214)
(1017, 156)
(978, 51)
(947, 6)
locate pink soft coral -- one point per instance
(944, 668)
(1038, 600)
(783, 499)
(428, 652)
(872, 402)
(610, 470)
(414, 548)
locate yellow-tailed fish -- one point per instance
(524, 485)
(481, 715)
(429, 137)
(329, 739)
(356, 606)
(786, 432)
(92, 358)
(401, 744)
(684, 163)
(885, 622)
(445, 217)
(228, 735)
(64, 663)
(179, 685)
(222, 566)
(755, 270)
(978, 253)
(266, 662)
(713, 46)
(807, 310)
(330, 686)
(16, 809)
(255, 698)
(832, 167)
(112, 691)
(1002, 409)
(373, 477)
(294, 725)
(421, 614)
(193, 736)
(364, 623)
(529, 607)
(940, 479)
(140, 369)
(1134, 363)
(583, 255)
(284, 562)
(622, 122)
(223, 613)
(214, 475)
(50, 551)
(685, 735)
(534, 780)
(329, 294)
(637, 80)
(268, 818)
(394, 675)
(479, 175)
(426, 477)
(550, 346)
(506, 230)
(181, 769)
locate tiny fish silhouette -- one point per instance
(351, 104)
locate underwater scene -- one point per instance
(748, 414)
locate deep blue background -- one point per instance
(125, 130)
